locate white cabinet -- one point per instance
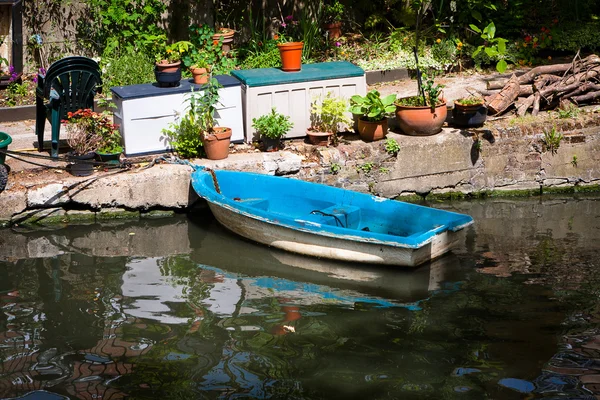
(292, 93)
(143, 111)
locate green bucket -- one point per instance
(5, 140)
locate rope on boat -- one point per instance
(328, 215)
(171, 160)
(214, 177)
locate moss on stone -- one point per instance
(501, 193)
(81, 217)
(154, 214)
(109, 214)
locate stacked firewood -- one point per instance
(547, 87)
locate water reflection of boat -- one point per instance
(243, 258)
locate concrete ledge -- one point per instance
(386, 75)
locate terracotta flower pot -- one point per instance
(216, 145)
(421, 121)
(200, 75)
(319, 138)
(291, 56)
(334, 29)
(227, 35)
(371, 131)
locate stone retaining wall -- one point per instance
(452, 162)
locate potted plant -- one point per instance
(199, 67)
(332, 14)
(374, 110)
(422, 115)
(469, 111)
(290, 49)
(110, 148)
(326, 116)
(425, 113)
(271, 128)
(225, 38)
(167, 69)
(84, 139)
(197, 127)
(215, 139)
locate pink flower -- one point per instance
(283, 24)
(289, 18)
(337, 44)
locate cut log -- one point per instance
(506, 97)
(524, 105)
(524, 90)
(586, 97)
(536, 103)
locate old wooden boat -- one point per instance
(323, 221)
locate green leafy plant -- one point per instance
(126, 68)
(372, 106)
(430, 94)
(114, 25)
(334, 168)
(391, 146)
(574, 161)
(205, 106)
(552, 139)
(493, 46)
(207, 52)
(273, 125)
(173, 52)
(469, 101)
(198, 121)
(328, 113)
(570, 111)
(366, 167)
(333, 12)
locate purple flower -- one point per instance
(13, 74)
(289, 18)
(42, 71)
(337, 44)
(283, 24)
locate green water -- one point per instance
(182, 309)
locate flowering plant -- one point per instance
(89, 131)
(289, 31)
(173, 52)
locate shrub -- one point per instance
(273, 125)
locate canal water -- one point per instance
(182, 309)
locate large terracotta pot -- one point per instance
(334, 29)
(216, 145)
(371, 131)
(421, 121)
(291, 56)
(200, 75)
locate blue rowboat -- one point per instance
(323, 221)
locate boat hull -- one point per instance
(342, 248)
(326, 222)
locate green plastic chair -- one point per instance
(69, 85)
